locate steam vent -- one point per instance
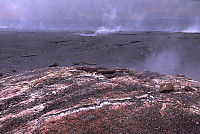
(83, 99)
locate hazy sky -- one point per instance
(115, 11)
(94, 9)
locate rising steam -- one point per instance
(194, 28)
(110, 21)
(109, 24)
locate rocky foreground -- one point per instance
(98, 100)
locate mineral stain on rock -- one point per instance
(86, 99)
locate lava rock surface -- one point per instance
(98, 100)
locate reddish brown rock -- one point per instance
(84, 63)
(166, 88)
(81, 100)
(14, 71)
(180, 75)
(54, 65)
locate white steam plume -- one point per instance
(195, 28)
(109, 24)
(110, 21)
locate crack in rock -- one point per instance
(120, 101)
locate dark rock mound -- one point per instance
(98, 100)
